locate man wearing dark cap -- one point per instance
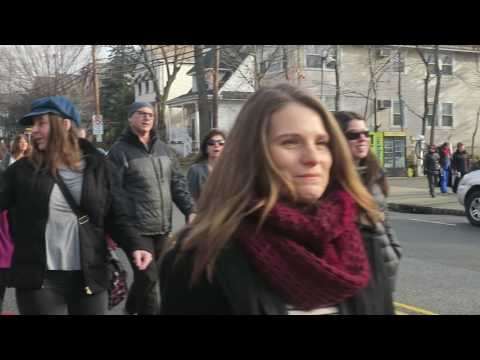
(151, 177)
(460, 165)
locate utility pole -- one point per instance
(95, 82)
(98, 122)
(216, 65)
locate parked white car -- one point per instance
(468, 194)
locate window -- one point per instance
(397, 116)
(270, 66)
(445, 113)
(398, 62)
(445, 63)
(328, 101)
(318, 55)
(271, 59)
(139, 86)
(147, 86)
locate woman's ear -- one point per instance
(67, 124)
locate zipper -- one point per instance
(159, 188)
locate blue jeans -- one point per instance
(444, 179)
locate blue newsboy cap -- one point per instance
(58, 105)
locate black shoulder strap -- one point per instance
(82, 216)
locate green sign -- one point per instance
(376, 145)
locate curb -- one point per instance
(417, 209)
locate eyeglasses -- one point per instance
(141, 113)
(213, 142)
(355, 135)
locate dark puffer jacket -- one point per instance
(391, 249)
(237, 289)
(152, 180)
(460, 162)
(26, 194)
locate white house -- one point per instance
(235, 86)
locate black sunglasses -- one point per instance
(355, 135)
(213, 142)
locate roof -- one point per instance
(231, 56)
(193, 97)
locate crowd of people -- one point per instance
(285, 215)
(445, 169)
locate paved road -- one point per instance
(440, 270)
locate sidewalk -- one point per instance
(411, 195)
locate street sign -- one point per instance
(97, 125)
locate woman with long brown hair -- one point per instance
(284, 223)
(19, 148)
(374, 178)
(56, 268)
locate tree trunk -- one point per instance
(426, 83)
(216, 66)
(368, 100)
(162, 126)
(338, 75)
(375, 122)
(475, 133)
(203, 110)
(437, 94)
(400, 99)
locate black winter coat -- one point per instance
(26, 194)
(460, 161)
(151, 178)
(391, 248)
(237, 289)
(431, 163)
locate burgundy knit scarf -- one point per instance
(314, 259)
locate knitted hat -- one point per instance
(58, 105)
(138, 105)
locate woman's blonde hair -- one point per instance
(62, 148)
(245, 179)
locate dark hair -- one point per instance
(16, 145)
(203, 155)
(374, 172)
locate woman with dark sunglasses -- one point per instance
(355, 129)
(210, 150)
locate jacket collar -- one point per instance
(130, 137)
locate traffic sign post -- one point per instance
(97, 127)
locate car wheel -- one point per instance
(472, 208)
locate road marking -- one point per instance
(413, 309)
(400, 313)
(432, 222)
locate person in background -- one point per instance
(460, 165)
(82, 133)
(445, 164)
(19, 148)
(374, 178)
(53, 270)
(285, 225)
(152, 180)
(431, 168)
(210, 150)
